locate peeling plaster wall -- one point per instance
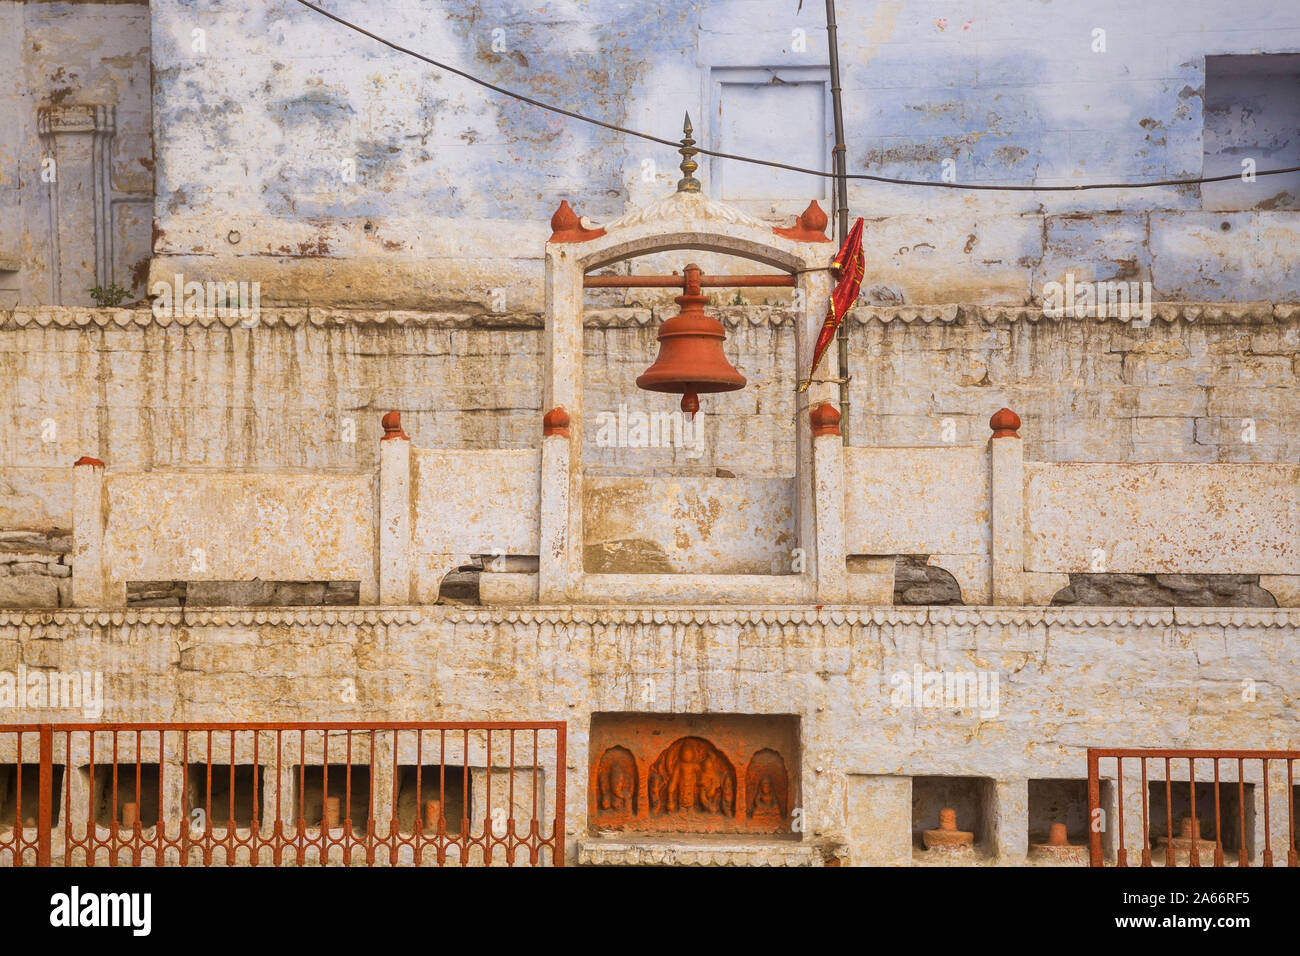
(298, 154)
(352, 174)
(65, 54)
(1252, 99)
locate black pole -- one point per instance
(842, 203)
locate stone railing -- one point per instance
(160, 526)
(1009, 531)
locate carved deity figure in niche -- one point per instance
(616, 783)
(658, 792)
(767, 786)
(692, 776)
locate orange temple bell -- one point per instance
(690, 357)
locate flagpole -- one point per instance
(842, 200)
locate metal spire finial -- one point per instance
(688, 183)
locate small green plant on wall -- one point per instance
(107, 298)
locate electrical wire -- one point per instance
(550, 107)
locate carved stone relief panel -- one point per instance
(694, 773)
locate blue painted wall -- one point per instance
(303, 132)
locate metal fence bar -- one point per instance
(46, 799)
(19, 837)
(157, 801)
(1094, 804)
(1121, 856)
(1187, 846)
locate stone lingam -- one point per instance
(1189, 833)
(948, 839)
(333, 814)
(1058, 849)
(431, 821)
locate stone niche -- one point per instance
(1231, 822)
(1059, 800)
(226, 793)
(972, 800)
(424, 792)
(28, 795)
(694, 773)
(110, 806)
(313, 795)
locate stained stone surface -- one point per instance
(1169, 590)
(1066, 675)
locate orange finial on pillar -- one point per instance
(1005, 423)
(392, 423)
(825, 419)
(566, 226)
(555, 422)
(810, 226)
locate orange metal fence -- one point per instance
(1237, 792)
(283, 794)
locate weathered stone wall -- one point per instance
(35, 568)
(306, 394)
(1066, 681)
(303, 391)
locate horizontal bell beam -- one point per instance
(679, 282)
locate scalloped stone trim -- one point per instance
(608, 853)
(1213, 313)
(202, 617)
(694, 616)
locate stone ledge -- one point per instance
(200, 617)
(942, 615)
(863, 615)
(76, 317)
(628, 853)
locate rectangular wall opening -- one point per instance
(311, 790)
(10, 791)
(1252, 116)
(1230, 817)
(109, 808)
(243, 593)
(444, 785)
(693, 774)
(970, 797)
(1065, 800)
(743, 100)
(215, 800)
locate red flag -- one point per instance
(848, 267)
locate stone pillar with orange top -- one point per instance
(828, 495)
(556, 574)
(1007, 508)
(395, 484)
(89, 582)
(559, 571)
(812, 294)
